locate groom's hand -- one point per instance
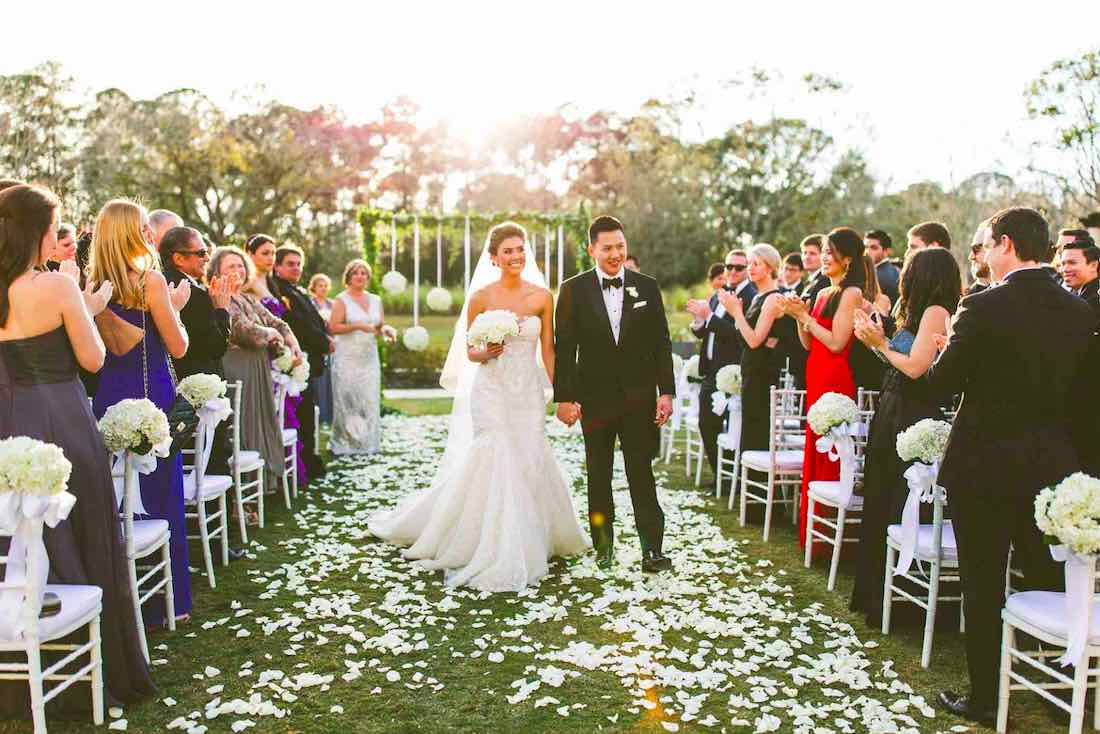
(568, 413)
(664, 409)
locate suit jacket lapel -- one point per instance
(629, 317)
(596, 294)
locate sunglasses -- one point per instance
(738, 268)
(203, 253)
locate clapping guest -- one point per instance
(790, 281)
(160, 221)
(929, 293)
(311, 330)
(826, 332)
(979, 270)
(46, 332)
(319, 286)
(184, 255)
(122, 254)
(867, 369)
(1017, 352)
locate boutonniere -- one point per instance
(632, 291)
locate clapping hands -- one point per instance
(868, 330)
(179, 294)
(730, 302)
(221, 290)
(96, 299)
(71, 269)
(700, 310)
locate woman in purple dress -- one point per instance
(261, 249)
(123, 255)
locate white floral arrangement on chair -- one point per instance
(199, 389)
(439, 299)
(691, 368)
(728, 379)
(924, 441)
(491, 327)
(294, 376)
(831, 410)
(135, 425)
(32, 467)
(677, 364)
(1069, 514)
(415, 338)
(394, 282)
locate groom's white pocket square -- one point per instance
(639, 304)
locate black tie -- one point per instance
(729, 288)
(612, 283)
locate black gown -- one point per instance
(41, 396)
(760, 370)
(901, 403)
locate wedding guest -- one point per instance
(357, 319)
(826, 332)
(162, 220)
(928, 294)
(312, 333)
(631, 263)
(261, 249)
(183, 256)
(979, 270)
(879, 245)
(46, 333)
(1016, 351)
(66, 247)
(867, 369)
(816, 279)
(122, 254)
(319, 286)
(791, 279)
(253, 331)
(1080, 260)
(716, 278)
(767, 335)
(720, 345)
(929, 234)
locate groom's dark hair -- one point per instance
(603, 223)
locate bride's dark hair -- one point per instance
(26, 215)
(504, 231)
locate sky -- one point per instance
(934, 90)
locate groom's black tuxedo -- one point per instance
(1017, 354)
(617, 385)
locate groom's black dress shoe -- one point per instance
(654, 562)
(959, 705)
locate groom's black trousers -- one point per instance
(633, 424)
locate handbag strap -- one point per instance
(144, 349)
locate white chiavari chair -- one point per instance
(242, 463)
(781, 463)
(290, 446)
(200, 489)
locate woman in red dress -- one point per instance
(827, 333)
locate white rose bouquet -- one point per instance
(728, 379)
(691, 368)
(30, 466)
(924, 441)
(135, 425)
(831, 410)
(491, 327)
(199, 389)
(1069, 514)
(284, 363)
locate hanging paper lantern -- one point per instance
(394, 282)
(415, 338)
(439, 300)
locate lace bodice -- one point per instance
(515, 375)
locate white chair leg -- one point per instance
(930, 614)
(97, 670)
(137, 608)
(744, 496)
(699, 467)
(962, 614)
(169, 590)
(223, 526)
(809, 532)
(204, 536)
(888, 589)
(238, 500)
(733, 479)
(838, 543)
(34, 675)
(769, 505)
(260, 487)
(1007, 642)
(1080, 691)
(294, 473)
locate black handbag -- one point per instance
(182, 418)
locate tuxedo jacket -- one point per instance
(888, 278)
(815, 286)
(1091, 295)
(306, 322)
(207, 330)
(590, 368)
(1018, 354)
(728, 344)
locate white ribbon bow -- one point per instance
(921, 478)
(22, 517)
(210, 415)
(139, 464)
(293, 387)
(838, 445)
(1078, 569)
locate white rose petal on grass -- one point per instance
(496, 657)
(337, 709)
(670, 726)
(115, 712)
(210, 671)
(393, 676)
(118, 725)
(242, 724)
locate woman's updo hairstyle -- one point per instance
(504, 231)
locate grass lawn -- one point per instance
(340, 634)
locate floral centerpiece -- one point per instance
(199, 389)
(491, 327)
(830, 411)
(294, 376)
(924, 441)
(728, 379)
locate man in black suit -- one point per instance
(183, 256)
(978, 267)
(613, 372)
(791, 281)
(878, 244)
(1017, 353)
(1079, 262)
(721, 345)
(313, 336)
(816, 280)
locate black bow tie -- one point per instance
(729, 288)
(612, 283)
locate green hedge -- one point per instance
(401, 303)
(405, 368)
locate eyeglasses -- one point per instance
(738, 268)
(203, 253)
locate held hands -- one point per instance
(179, 294)
(664, 409)
(568, 413)
(96, 299)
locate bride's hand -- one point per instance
(490, 352)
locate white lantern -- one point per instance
(439, 300)
(394, 282)
(415, 338)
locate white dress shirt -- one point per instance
(613, 300)
(719, 312)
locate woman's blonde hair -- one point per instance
(353, 266)
(119, 247)
(318, 278)
(768, 254)
(214, 267)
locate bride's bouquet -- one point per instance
(1069, 514)
(491, 327)
(831, 410)
(924, 441)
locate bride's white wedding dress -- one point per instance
(497, 513)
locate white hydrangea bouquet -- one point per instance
(34, 476)
(691, 368)
(416, 338)
(728, 394)
(830, 411)
(492, 327)
(924, 441)
(206, 394)
(136, 433)
(285, 372)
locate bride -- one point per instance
(498, 508)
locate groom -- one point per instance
(614, 373)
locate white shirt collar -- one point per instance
(1020, 269)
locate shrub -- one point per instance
(405, 368)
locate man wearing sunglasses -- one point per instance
(979, 269)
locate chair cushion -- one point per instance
(290, 435)
(148, 535)
(829, 493)
(78, 605)
(1047, 611)
(787, 460)
(249, 460)
(213, 485)
(924, 541)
